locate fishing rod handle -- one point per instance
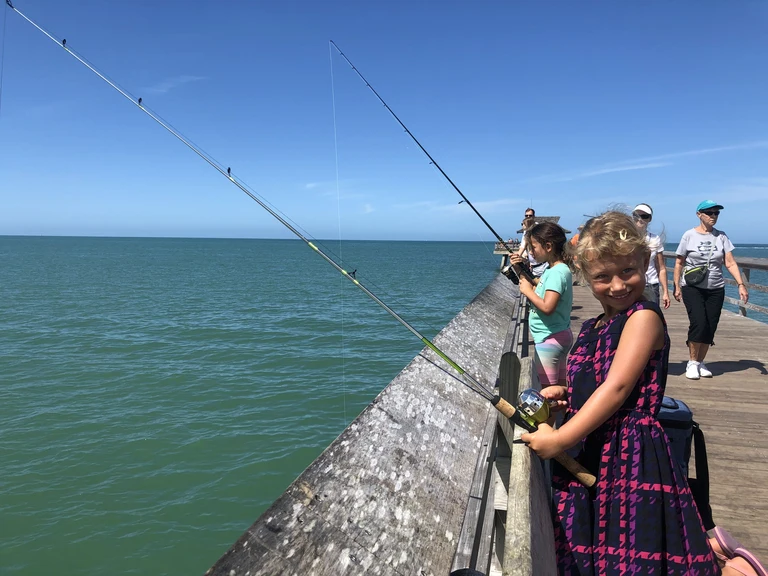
(584, 476)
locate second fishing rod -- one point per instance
(583, 475)
(519, 269)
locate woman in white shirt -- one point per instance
(656, 275)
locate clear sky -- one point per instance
(565, 106)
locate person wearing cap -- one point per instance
(656, 275)
(707, 248)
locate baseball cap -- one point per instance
(643, 208)
(707, 204)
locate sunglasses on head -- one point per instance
(641, 216)
(711, 212)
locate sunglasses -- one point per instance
(529, 216)
(641, 216)
(711, 213)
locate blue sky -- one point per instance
(568, 107)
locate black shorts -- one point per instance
(704, 306)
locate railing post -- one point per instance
(742, 309)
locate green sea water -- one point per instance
(156, 395)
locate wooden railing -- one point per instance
(482, 540)
(508, 526)
(746, 265)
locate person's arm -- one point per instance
(544, 305)
(676, 275)
(733, 268)
(643, 333)
(556, 285)
(661, 266)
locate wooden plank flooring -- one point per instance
(732, 409)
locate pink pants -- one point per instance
(550, 358)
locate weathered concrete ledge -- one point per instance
(389, 495)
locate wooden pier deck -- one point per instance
(732, 409)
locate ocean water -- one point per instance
(156, 395)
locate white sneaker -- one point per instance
(704, 372)
(692, 370)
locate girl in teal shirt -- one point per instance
(551, 302)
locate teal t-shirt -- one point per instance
(558, 279)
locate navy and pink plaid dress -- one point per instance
(641, 518)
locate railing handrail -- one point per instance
(742, 261)
(746, 264)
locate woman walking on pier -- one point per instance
(642, 518)
(656, 275)
(551, 300)
(699, 283)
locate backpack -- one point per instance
(682, 430)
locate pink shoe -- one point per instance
(750, 559)
(727, 543)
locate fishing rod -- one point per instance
(472, 383)
(431, 160)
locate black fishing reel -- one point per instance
(514, 272)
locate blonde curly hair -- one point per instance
(608, 235)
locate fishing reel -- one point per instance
(533, 407)
(510, 273)
(515, 272)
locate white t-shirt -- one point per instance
(654, 242)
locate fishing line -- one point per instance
(485, 393)
(338, 215)
(367, 274)
(501, 405)
(2, 56)
(428, 155)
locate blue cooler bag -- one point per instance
(681, 429)
(677, 420)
